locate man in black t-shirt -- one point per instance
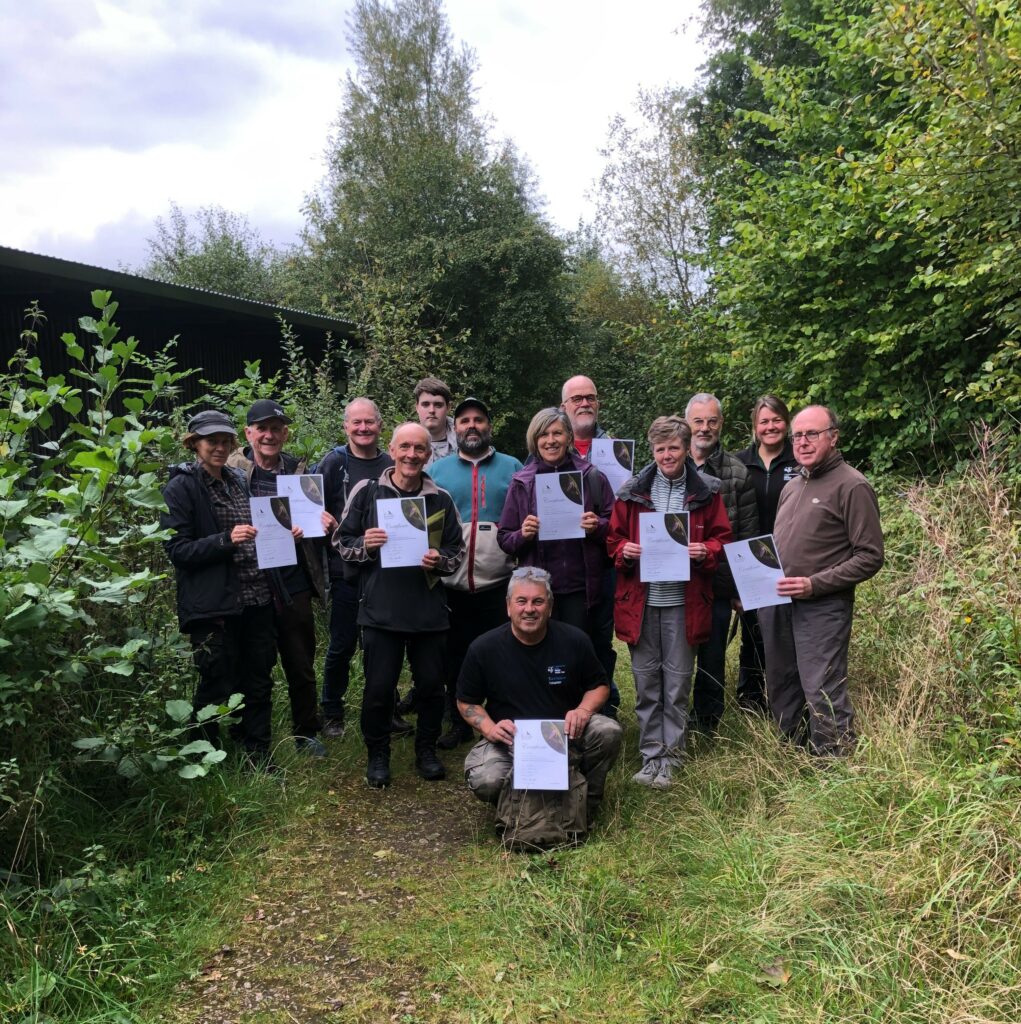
(532, 667)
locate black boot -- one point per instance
(429, 766)
(377, 771)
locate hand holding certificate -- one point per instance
(559, 504)
(407, 534)
(540, 754)
(305, 492)
(663, 537)
(615, 458)
(274, 542)
(755, 565)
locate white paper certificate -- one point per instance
(540, 754)
(559, 504)
(274, 545)
(663, 537)
(307, 501)
(616, 459)
(407, 536)
(756, 567)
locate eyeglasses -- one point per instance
(530, 572)
(582, 399)
(809, 436)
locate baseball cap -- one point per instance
(468, 403)
(266, 409)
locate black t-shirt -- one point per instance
(515, 680)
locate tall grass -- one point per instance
(770, 887)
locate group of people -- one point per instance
(497, 624)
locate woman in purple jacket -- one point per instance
(575, 566)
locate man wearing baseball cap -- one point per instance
(477, 477)
(293, 587)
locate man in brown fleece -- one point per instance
(829, 539)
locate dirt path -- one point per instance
(356, 856)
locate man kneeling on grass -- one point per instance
(532, 667)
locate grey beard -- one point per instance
(473, 445)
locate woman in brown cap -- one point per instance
(224, 602)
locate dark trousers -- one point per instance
(751, 680)
(236, 654)
(597, 622)
(383, 653)
(296, 641)
(806, 671)
(471, 615)
(343, 644)
(707, 690)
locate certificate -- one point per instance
(307, 501)
(755, 565)
(663, 537)
(274, 545)
(540, 754)
(559, 505)
(615, 458)
(407, 536)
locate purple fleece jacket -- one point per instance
(571, 563)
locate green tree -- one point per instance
(870, 266)
(421, 218)
(217, 249)
(650, 207)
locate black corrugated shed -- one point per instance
(216, 332)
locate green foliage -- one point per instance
(870, 266)
(650, 216)
(221, 251)
(426, 235)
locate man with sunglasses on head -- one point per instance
(535, 667)
(829, 540)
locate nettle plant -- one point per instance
(90, 659)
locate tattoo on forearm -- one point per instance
(474, 715)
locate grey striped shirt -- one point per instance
(667, 496)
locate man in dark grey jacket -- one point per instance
(704, 414)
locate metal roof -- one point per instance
(119, 280)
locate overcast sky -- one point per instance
(110, 109)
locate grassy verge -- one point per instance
(763, 887)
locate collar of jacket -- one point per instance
(386, 480)
(241, 458)
(833, 459)
(698, 489)
(476, 462)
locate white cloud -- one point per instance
(113, 108)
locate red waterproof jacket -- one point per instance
(707, 523)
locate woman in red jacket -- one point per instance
(662, 622)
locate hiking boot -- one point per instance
(648, 773)
(664, 777)
(334, 729)
(399, 727)
(429, 766)
(377, 771)
(454, 735)
(309, 746)
(406, 705)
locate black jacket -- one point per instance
(408, 599)
(208, 586)
(768, 483)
